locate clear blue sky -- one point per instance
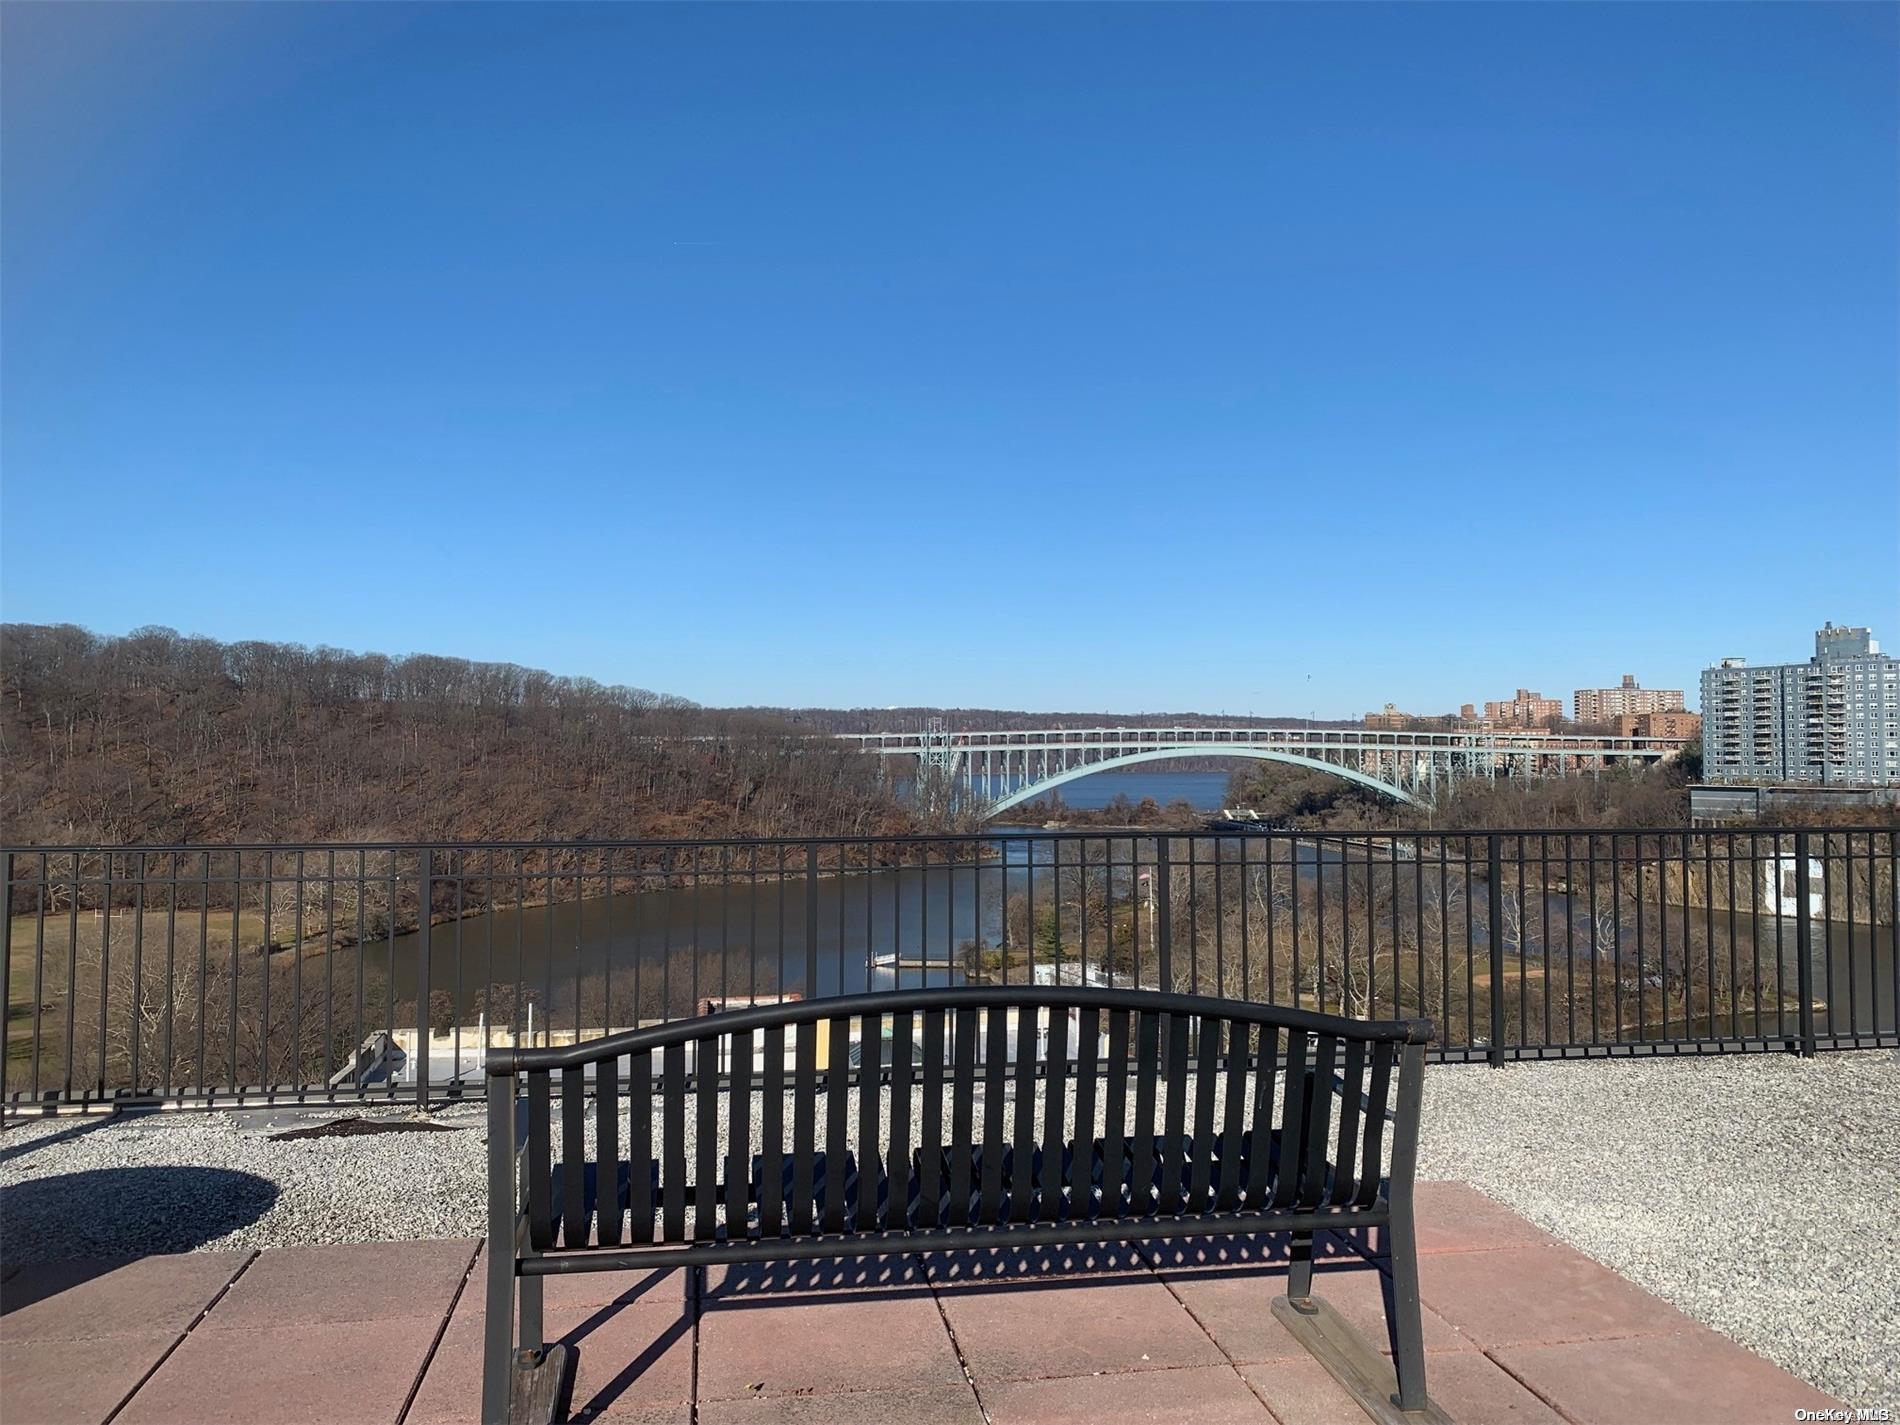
(1227, 358)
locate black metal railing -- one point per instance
(224, 974)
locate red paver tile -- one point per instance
(633, 1358)
(360, 1281)
(1542, 1294)
(1471, 1388)
(324, 1373)
(1235, 1308)
(73, 1382)
(1205, 1395)
(77, 1300)
(1456, 1217)
(794, 1345)
(1694, 1378)
(1021, 1264)
(936, 1405)
(1074, 1328)
(578, 1289)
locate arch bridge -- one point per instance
(1003, 769)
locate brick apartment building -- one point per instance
(1527, 709)
(1657, 724)
(1608, 704)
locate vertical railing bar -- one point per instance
(204, 968)
(1804, 944)
(6, 979)
(1543, 897)
(1495, 935)
(295, 1065)
(329, 975)
(237, 902)
(811, 920)
(362, 927)
(134, 1009)
(1164, 913)
(105, 965)
(425, 904)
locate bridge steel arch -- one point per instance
(1200, 749)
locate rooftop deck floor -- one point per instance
(1518, 1328)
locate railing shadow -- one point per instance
(47, 1140)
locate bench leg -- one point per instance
(1299, 1272)
(498, 1359)
(1402, 1311)
(498, 1329)
(532, 1338)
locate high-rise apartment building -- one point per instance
(1608, 704)
(1834, 720)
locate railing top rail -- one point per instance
(802, 1011)
(936, 838)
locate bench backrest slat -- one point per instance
(1346, 1151)
(930, 1123)
(540, 1160)
(897, 1156)
(610, 1194)
(1113, 1107)
(1319, 1109)
(1206, 1062)
(1115, 1122)
(640, 1146)
(573, 1155)
(673, 1142)
(1055, 1112)
(1147, 1061)
(706, 1138)
(739, 1139)
(1088, 1042)
(1234, 1117)
(837, 1085)
(992, 1144)
(1022, 1146)
(1372, 1146)
(870, 1094)
(963, 1027)
(804, 1124)
(1286, 1176)
(1174, 1120)
(772, 1133)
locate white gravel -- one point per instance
(1760, 1194)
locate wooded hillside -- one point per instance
(156, 737)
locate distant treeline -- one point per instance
(158, 737)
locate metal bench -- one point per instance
(966, 1117)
